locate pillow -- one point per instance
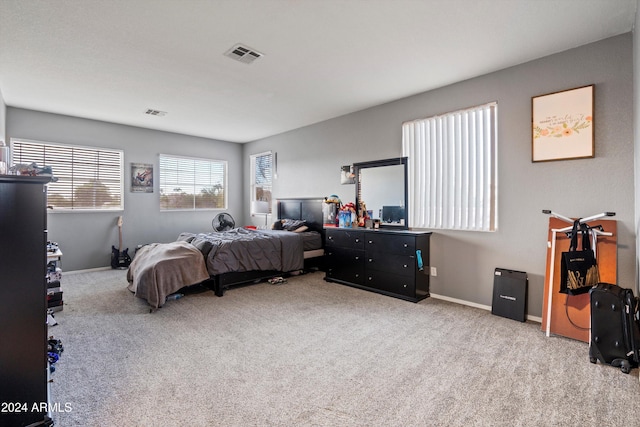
(186, 237)
(203, 245)
(301, 229)
(292, 224)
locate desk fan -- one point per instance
(223, 222)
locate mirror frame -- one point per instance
(357, 167)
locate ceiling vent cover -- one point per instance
(152, 112)
(243, 54)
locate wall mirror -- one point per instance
(382, 186)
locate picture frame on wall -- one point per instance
(141, 178)
(562, 125)
(346, 175)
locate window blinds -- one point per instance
(452, 165)
(89, 178)
(191, 183)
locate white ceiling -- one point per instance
(111, 60)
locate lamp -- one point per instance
(260, 207)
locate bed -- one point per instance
(220, 260)
(307, 209)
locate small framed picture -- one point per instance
(562, 125)
(346, 175)
(141, 178)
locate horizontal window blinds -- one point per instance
(88, 178)
(189, 183)
(452, 165)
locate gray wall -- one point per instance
(3, 117)
(636, 134)
(309, 161)
(86, 238)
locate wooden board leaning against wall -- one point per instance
(570, 315)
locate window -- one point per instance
(89, 178)
(261, 182)
(452, 164)
(192, 184)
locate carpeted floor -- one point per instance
(312, 353)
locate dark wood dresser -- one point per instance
(24, 392)
(384, 261)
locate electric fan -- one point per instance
(223, 222)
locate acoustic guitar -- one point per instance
(120, 258)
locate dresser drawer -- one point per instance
(344, 238)
(390, 243)
(392, 283)
(404, 265)
(345, 264)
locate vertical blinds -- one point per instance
(190, 183)
(89, 178)
(452, 166)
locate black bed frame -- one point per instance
(308, 209)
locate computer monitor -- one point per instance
(392, 214)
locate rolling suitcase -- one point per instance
(615, 334)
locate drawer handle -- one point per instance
(370, 242)
(357, 258)
(370, 278)
(405, 245)
(405, 266)
(370, 259)
(330, 237)
(404, 286)
(357, 240)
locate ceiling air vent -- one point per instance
(152, 112)
(243, 54)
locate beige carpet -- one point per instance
(312, 353)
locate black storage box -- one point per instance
(510, 294)
(54, 297)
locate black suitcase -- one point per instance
(615, 332)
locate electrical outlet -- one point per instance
(434, 271)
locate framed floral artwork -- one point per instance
(562, 125)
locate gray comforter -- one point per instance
(241, 249)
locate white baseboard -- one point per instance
(88, 270)
(476, 305)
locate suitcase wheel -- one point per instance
(593, 359)
(625, 366)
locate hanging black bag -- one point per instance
(579, 270)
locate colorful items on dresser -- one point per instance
(347, 216)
